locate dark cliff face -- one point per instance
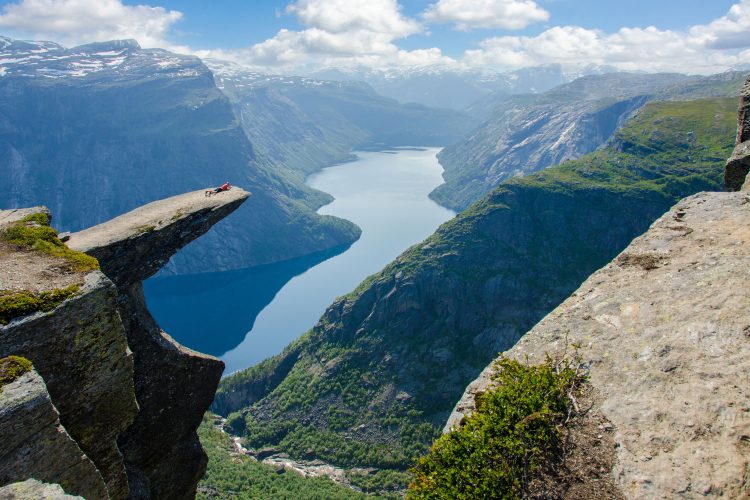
(139, 125)
(380, 372)
(528, 133)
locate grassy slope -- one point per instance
(373, 382)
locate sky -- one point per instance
(298, 36)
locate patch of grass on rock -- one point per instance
(15, 304)
(34, 233)
(11, 368)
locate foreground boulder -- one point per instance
(34, 444)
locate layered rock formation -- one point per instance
(739, 164)
(127, 394)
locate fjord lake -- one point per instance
(248, 315)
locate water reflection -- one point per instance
(213, 312)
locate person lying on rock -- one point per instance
(224, 187)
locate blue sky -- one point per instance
(236, 24)
(699, 36)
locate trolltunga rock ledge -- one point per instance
(173, 385)
(135, 245)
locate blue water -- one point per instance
(263, 309)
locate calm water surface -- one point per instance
(248, 315)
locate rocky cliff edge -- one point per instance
(664, 335)
(122, 397)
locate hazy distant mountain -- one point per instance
(449, 88)
(306, 123)
(526, 133)
(100, 129)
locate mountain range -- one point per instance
(99, 129)
(527, 133)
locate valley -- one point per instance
(384, 193)
(390, 235)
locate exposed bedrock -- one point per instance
(31, 489)
(80, 350)
(173, 385)
(129, 398)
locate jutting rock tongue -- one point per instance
(173, 385)
(738, 165)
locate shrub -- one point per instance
(514, 432)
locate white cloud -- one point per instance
(468, 14)
(340, 33)
(345, 16)
(713, 47)
(73, 22)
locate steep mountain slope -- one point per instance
(373, 382)
(99, 129)
(527, 133)
(305, 124)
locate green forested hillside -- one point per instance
(373, 383)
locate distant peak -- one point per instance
(110, 45)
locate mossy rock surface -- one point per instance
(11, 368)
(33, 233)
(13, 305)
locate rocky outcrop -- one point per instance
(738, 166)
(34, 444)
(663, 331)
(173, 385)
(743, 129)
(128, 395)
(135, 245)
